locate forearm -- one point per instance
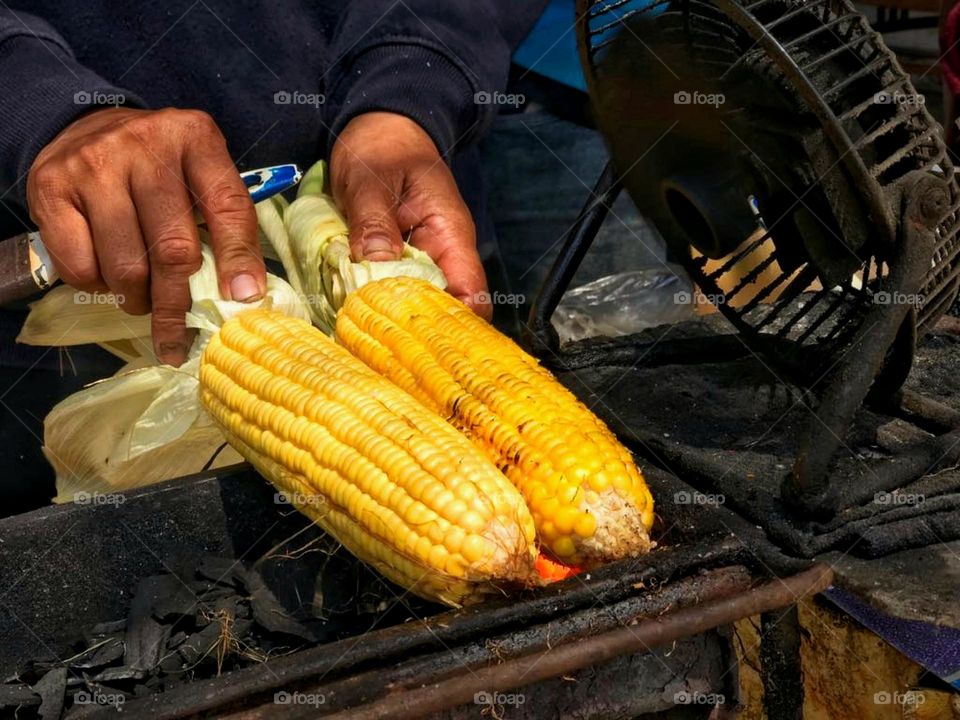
(425, 60)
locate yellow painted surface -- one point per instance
(848, 673)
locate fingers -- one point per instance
(371, 210)
(445, 231)
(65, 231)
(173, 247)
(228, 210)
(120, 250)
(455, 252)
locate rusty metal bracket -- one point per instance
(808, 487)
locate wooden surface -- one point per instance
(848, 672)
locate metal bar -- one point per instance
(736, 257)
(780, 664)
(587, 651)
(607, 585)
(798, 285)
(540, 333)
(832, 54)
(927, 413)
(867, 69)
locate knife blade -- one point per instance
(25, 265)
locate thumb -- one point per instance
(371, 212)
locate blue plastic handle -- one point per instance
(267, 182)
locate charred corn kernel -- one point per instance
(366, 461)
(589, 500)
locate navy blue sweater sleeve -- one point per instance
(435, 62)
(42, 90)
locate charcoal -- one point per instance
(51, 688)
(32, 670)
(269, 614)
(241, 628)
(16, 695)
(153, 684)
(201, 587)
(215, 593)
(181, 602)
(172, 664)
(146, 638)
(109, 628)
(104, 653)
(120, 673)
(222, 571)
(200, 644)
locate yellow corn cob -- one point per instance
(394, 483)
(589, 501)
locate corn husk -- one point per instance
(65, 316)
(145, 423)
(316, 240)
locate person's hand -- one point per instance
(113, 196)
(391, 183)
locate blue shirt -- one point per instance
(551, 47)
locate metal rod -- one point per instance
(564, 659)
(539, 333)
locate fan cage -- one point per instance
(879, 143)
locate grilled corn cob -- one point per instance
(393, 482)
(588, 499)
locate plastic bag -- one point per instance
(625, 303)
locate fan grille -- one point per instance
(862, 128)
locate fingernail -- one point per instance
(172, 353)
(378, 245)
(244, 288)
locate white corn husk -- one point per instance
(145, 424)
